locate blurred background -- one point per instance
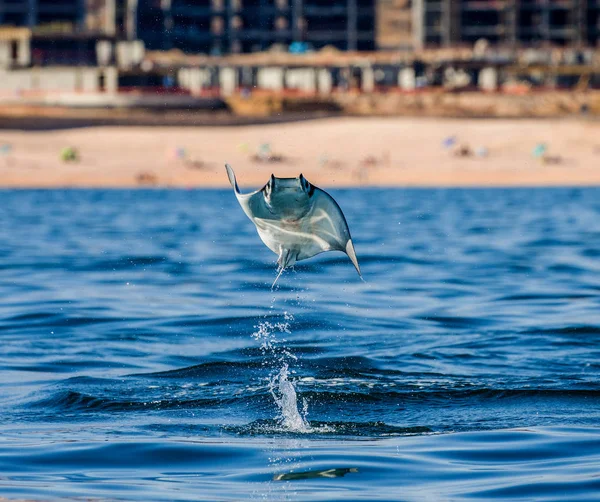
(184, 63)
(144, 354)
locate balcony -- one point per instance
(479, 5)
(15, 8)
(543, 5)
(326, 35)
(335, 10)
(57, 9)
(194, 11)
(483, 31)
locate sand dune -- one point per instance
(330, 152)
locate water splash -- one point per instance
(270, 344)
(278, 356)
(285, 396)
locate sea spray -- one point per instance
(285, 396)
(278, 357)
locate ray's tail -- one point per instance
(281, 269)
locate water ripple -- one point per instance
(143, 347)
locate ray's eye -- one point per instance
(267, 189)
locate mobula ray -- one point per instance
(295, 219)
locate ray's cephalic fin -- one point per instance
(232, 180)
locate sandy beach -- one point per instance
(329, 152)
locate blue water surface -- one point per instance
(142, 347)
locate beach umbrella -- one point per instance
(69, 154)
(482, 151)
(264, 151)
(180, 153)
(539, 150)
(449, 142)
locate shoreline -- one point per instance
(158, 188)
(264, 108)
(330, 152)
(51, 119)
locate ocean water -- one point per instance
(144, 356)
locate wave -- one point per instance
(260, 398)
(320, 428)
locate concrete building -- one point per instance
(57, 15)
(110, 17)
(394, 25)
(511, 23)
(113, 17)
(70, 62)
(22, 47)
(205, 26)
(234, 26)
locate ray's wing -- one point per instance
(252, 203)
(327, 226)
(255, 207)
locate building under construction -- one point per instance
(221, 27)
(511, 23)
(30, 13)
(234, 26)
(107, 17)
(206, 26)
